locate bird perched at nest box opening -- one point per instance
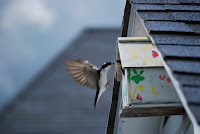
(89, 75)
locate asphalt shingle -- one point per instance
(188, 79)
(184, 66)
(196, 1)
(164, 8)
(182, 7)
(173, 2)
(156, 16)
(192, 94)
(174, 39)
(167, 26)
(195, 110)
(186, 16)
(186, 1)
(148, 7)
(155, 2)
(180, 51)
(195, 27)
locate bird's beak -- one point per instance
(112, 64)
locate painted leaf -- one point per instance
(129, 76)
(134, 71)
(137, 78)
(141, 72)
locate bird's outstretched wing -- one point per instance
(83, 72)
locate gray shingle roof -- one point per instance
(188, 79)
(156, 15)
(195, 27)
(155, 2)
(167, 26)
(175, 27)
(141, 7)
(186, 16)
(182, 7)
(192, 91)
(180, 51)
(184, 66)
(196, 1)
(195, 109)
(54, 103)
(176, 39)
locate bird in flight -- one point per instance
(89, 75)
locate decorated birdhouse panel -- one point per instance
(139, 54)
(147, 89)
(149, 85)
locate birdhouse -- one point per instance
(147, 89)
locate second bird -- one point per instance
(89, 75)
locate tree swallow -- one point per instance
(89, 75)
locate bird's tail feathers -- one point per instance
(98, 94)
(96, 99)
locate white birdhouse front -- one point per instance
(145, 83)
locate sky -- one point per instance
(33, 32)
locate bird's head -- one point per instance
(106, 66)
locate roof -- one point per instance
(54, 103)
(174, 25)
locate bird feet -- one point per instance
(107, 84)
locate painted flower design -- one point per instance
(137, 77)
